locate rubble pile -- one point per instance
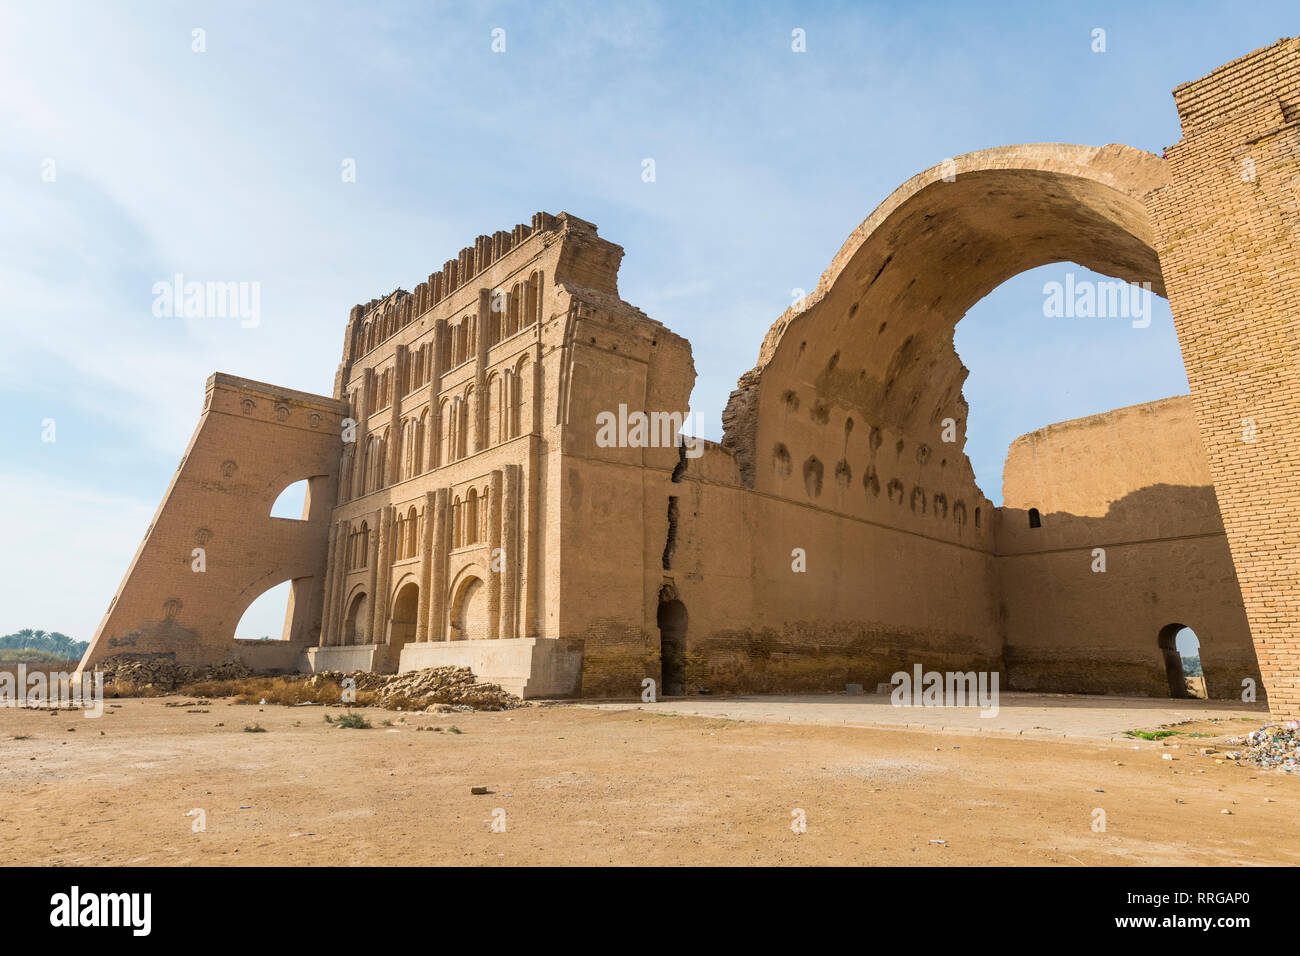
(455, 687)
(1273, 745)
(164, 674)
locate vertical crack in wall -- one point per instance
(671, 544)
(680, 468)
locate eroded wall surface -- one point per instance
(614, 500)
(1128, 541)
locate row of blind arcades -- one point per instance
(469, 513)
(453, 433)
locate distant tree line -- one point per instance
(1192, 666)
(50, 642)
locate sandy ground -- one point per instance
(577, 784)
(1018, 714)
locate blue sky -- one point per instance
(225, 165)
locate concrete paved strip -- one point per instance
(1019, 714)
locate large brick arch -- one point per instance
(253, 440)
(876, 333)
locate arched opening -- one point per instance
(267, 618)
(533, 298)
(520, 414)
(292, 502)
(399, 538)
(1180, 649)
(672, 647)
(469, 612)
(356, 626)
(463, 446)
(875, 339)
(512, 321)
(471, 517)
(1115, 347)
(413, 529)
(401, 627)
(1035, 519)
(358, 547)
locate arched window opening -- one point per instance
(1035, 519)
(358, 547)
(471, 517)
(520, 413)
(453, 419)
(512, 312)
(267, 618)
(462, 424)
(292, 503)
(532, 299)
(397, 546)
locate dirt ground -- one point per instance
(579, 785)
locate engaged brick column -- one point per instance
(1228, 234)
(331, 570)
(426, 566)
(480, 409)
(495, 570)
(340, 583)
(379, 599)
(362, 431)
(437, 358)
(438, 575)
(372, 569)
(510, 549)
(395, 449)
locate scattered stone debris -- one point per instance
(1273, 745)
(162, 674)
(434, 689)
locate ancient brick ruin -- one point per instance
(462, 508)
